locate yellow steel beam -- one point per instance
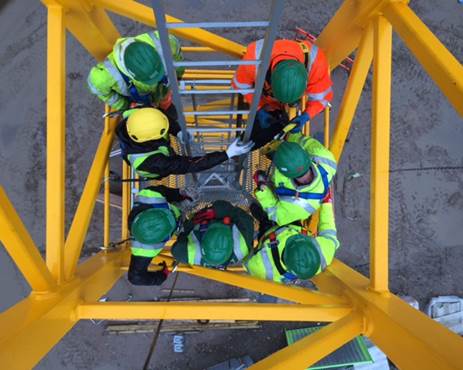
(21, 248)
(197, 49)
(144, 14)
(441, 65)
(90, 25)
(342, 34)
(380, 143)
(209, 311)
(34, 325)
(326, 128)
(83, 215)
(353, 92)
(126, 196)
(305, 352)
(408, 337)
(107, 190)
(290, 293)
(56, 143)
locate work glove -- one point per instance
(301, 121)
(264, 118)
(166, 101)
(180, 137)
(328, 197)
(205, 215)
(260, 178)
(237, 148)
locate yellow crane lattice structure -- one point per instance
(65, 291)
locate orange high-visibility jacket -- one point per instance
(319, 91)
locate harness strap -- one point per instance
(286, 192)
(134, 94)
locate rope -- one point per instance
(158, 328)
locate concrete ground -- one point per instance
(426, 210)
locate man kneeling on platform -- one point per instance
(216, 236)
(287, 253)
(152, 222)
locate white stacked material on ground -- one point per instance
(447, 310)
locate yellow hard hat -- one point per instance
(147, 124)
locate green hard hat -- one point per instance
(292, 160)
(289, 81)
(217, 244)
(301, 257)
(153, 225)
(144, 62)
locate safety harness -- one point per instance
(202, 230)
(282, 191)
(307, 64)
(273, 243)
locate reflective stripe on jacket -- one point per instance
(137, 159)
(240, 248)
(319, 91)
(262, 264)
(284, 208)
(155, 200)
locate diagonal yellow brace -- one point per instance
(83, 215)
(210, 311)
(144, 14)
(290, 293)
(353, 92)
(441, 65)
(22, 249)
(307, 351)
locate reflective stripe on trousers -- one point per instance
(137, 244)
(116, 74)
(149, 200)
(237, 243)
(197, 245)
(267, 263)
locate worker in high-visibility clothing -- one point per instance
(152, 222)
(215, 236)
(145, 145)
(286, 253)
(134, 72)
(296, 68)
(302, 172)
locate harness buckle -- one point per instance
(273, 240)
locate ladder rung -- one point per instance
(215, 112)
(205, 82)
(216, 129)
(225, 91)
(217, 63)
(218, 24)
